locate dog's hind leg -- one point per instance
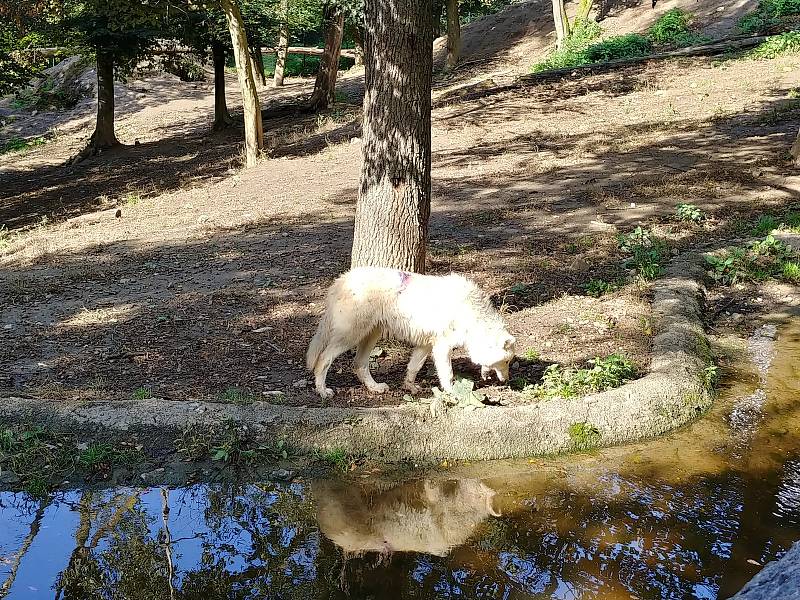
(361, 365)
(335, 347)
(418, 356)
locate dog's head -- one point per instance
(495, 355)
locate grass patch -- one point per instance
(142, 393)
(338, 459)
(755, 262)
(599, 287)
(672, 29)
(765, 224)
(584, 436)
(790, 271)
(647, 252)
(689, 213)
(531, 354)
(230, 443)
(605, 374)
(777, 45)
(234, 395)
(583, 34)
(22, 145)
(618, 47)
(791, 222)
(769, 14)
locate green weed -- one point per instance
(618, 47)
(22, 145)
(758, 261)
(790, 271)
(571, 54)
(689, 213)
(672, 28)
(769, 14)
(338, 459)
(777, 45)
(765, 224)
(584, 435)
(791, 222)
(531, 354)
(605, 374)
(234, 395)
(647, 252)
(710, 377)
(599, 287)
(142, 393)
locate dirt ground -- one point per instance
(212, 277)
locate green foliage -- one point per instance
(605, 374)
(599, 287)
(758, 261)
(710, 377)
(619, 47)
(572, 54)
(769, 14)
(21, 145)
(298, 66)
(647, 252)
(776, 45)
(100, 457)
(672, 28)
(790, 271)
(142, 393)
(689, 213)
(765, 224)
(229, 442)
(234, 395)
(462, 395)
(584, 435)
(184, 67)
(531, 354)
(35, 456)
(338, 458)
(792, 222)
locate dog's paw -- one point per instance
(326, 393)
(412, 387)
(379, 388)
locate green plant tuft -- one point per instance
(599, 287)
(605, 374)
(584, 436)
(689, 213)
(647, 252)
(777, 45)
(769, 14)
(142, 393)
(758, 261)
(630, 45)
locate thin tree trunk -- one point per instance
(453, 33)
(222, 117)
(394, 200)
(438, 9)
(358, 42)
(795, 151)
(325, 87)
(584, 8)
(104, 136)
(258, 60)
(253, 134)
(167, 541)
(561, 22)
(283, 44)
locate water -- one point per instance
(693, 515)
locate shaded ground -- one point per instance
(212, 278)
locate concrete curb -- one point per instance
(779, 580)
(671, 395)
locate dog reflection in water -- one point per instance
(422, 516)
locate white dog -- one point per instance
(435, 314)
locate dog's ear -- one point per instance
(509, 343)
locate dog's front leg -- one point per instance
(418, 356)
(444, 368)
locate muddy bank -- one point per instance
(672, 394)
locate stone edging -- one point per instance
(671, 395)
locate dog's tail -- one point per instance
(318, 342)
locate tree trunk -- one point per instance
(394, 200)
(438, 9)
(13, 562)
(795, 151)
(325, 86)
(584, 8)
(253, 134)
(222, 117)
(104, 136)
(258, 61)
(561, 22)
(283, 44)
(358, 42)
(453, 33)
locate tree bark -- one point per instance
(795, 151)
(391, 225)
(325, 86)
(283, 44)
(584, 8)
(222, 117)
(104, 136)
(253, 134)
(258, 61)
(438, 9)
(561, 22)
(453, 33)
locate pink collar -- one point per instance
(404, 279)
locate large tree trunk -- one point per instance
(258, 61)
(325, 87)
(561, 22)
(283, 44)
(453, 33)
(253, 134)
(222, 117)
(394, 199)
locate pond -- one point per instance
(692, 515)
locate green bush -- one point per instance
(605, 374)
(672, 28)
(619, 47)
(572, 53)
(768, 14)
(776, 45)
(758, 261)
(647, 252)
